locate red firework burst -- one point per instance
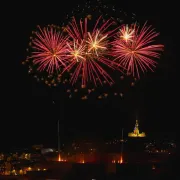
(133, 48)
(49, 49)
(88, 51)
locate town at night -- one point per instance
(90, 91)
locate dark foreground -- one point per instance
(92, 171)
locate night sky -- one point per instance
(28, 115)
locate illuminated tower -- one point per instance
(136, 128)
(136, 132)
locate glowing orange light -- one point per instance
(121, 160)
(59, 158)
(82, 161)
(29, 169)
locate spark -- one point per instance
(96, 43)
(76, 51)
(126, 33)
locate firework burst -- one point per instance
(126, 33)
(88, 51)
(49, 49)
(137, 52)
(84, 52)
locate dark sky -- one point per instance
(28, 116)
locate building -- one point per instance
(136, 132)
